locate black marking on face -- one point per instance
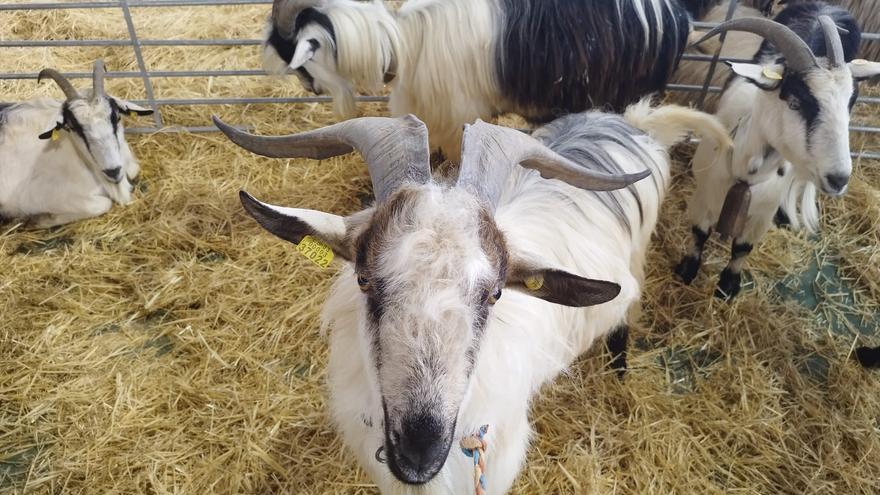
(283, 47)
(72, 124)
(795, 92)
(114, 115)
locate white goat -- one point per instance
(788, 113)
(424, 349)
(450, 62)
(63, 161)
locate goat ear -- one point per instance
(293, 224)
(50, 132)
(766, 77)
(863, 69)
(561, 287)
(128, 108)
(304, 52)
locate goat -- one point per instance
(452, 61)
(423, 347)
(743, 45)
(63, 161)
(788, 114)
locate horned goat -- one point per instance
(450, 62)
(423, 348)
(63, 161)
(788, 114)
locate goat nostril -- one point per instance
(113, 173)
(837, 181)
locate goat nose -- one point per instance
(113, 174)
(420, 450)
(836, 182)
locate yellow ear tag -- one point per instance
(535, 283)
(859, 61)
(54, 134)
(771, 74)
(315, 250)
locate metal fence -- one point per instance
(146, 75)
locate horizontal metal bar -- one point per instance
(132, 3)
(865, 129)
(175, 73)
(691, 88)
(72, 43)
(259, 100)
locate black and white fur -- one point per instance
(790, 138)
(450, 62)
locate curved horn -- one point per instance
(69, 91)
(489, 153)
(395, 149)
(798, 56)
(833, 45)
(98, 79)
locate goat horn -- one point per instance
(395, 149)
(833, 45)
(489, 152)
(98, 79)
(69, 91)
(798, 56)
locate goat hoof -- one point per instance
(869, 357)
(687, 269)
(728, 285)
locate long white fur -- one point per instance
(527, 341)
(57, 182)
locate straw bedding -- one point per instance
(172, 347)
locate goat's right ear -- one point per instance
(292, 224)
(766, 77)
(50, 132)
(305, 50)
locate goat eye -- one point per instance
(363, 283)
(495, 297)
(794, 104)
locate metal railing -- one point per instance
(146, 75)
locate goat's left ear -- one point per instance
(293, 224)
(128, 108)
(561, 287)
(863, 69)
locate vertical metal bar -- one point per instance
(135, 44)
(731, 9)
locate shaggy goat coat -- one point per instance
(451, 62)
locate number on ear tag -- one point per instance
(771, 74)
(54, 134)
(316, 251)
